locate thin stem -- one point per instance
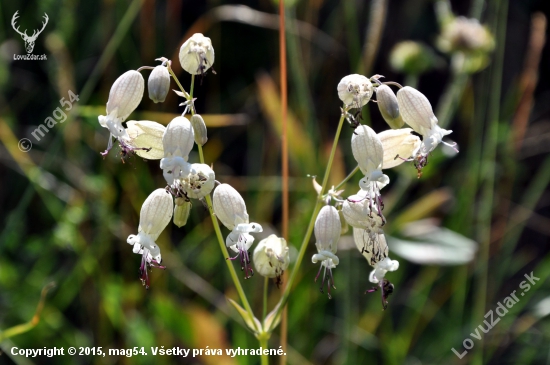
(350, 175)
(266, 286)
(263, 345)
(229, 264)
(284, 163)
(191, 92)
(301, 253)
(176, 79)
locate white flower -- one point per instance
(358, 211)
(271, 257)
(178, 140)
(230, 209)
(124, 97)
(417, 112)
(199, 182)
(368, 151)
(145, 138)
(355, 90)
(388, 106)
(399, 146)
(154, 216)
(197, 54)
(327, 233)
(159, 84)
(373, 246)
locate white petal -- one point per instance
(398, 142)
(355, 90)
(146, 134)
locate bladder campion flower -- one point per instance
(327, 233)
(417, 112)
(230, 208)
(271, 257)
(155, 214)
(197, 54)
(146, 138)
(374, 248)
(355, 90)
(178, 140)
(399, 145)
(124, 97)
(387, 104)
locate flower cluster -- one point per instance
(375, 152)
(185, 180)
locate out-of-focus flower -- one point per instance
(466, 35)
(412, 58)
(197, 54)
(156, 213)
(124, 97)
(399, 145)
(230, 208)
(362, 212)
(355, 90)
(159, 83)
(145, 137)
(271, 257)
(417, 112)
(327, 233)
(387, 104)
(178, 140)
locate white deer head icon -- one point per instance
(29, 41)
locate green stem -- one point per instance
(191, 92)
(215, 223)
(301, 253)
(263, 345)
(350, 175)
(266, 286)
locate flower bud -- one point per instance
(146, 138)
(182, 209)
(367, 149)
(387, 103)
(399, 145)
(355, 90)
(197, 54)
(199, 182)
(199, 128)
(229, 206)
(412, 58)
(271, 257)
(126, 94)
(159, 84)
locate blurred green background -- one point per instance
(66, 211)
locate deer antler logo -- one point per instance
(29, 41)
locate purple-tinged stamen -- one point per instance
(329, 278)
(244, 258)
(386, 289)
(146, 266)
